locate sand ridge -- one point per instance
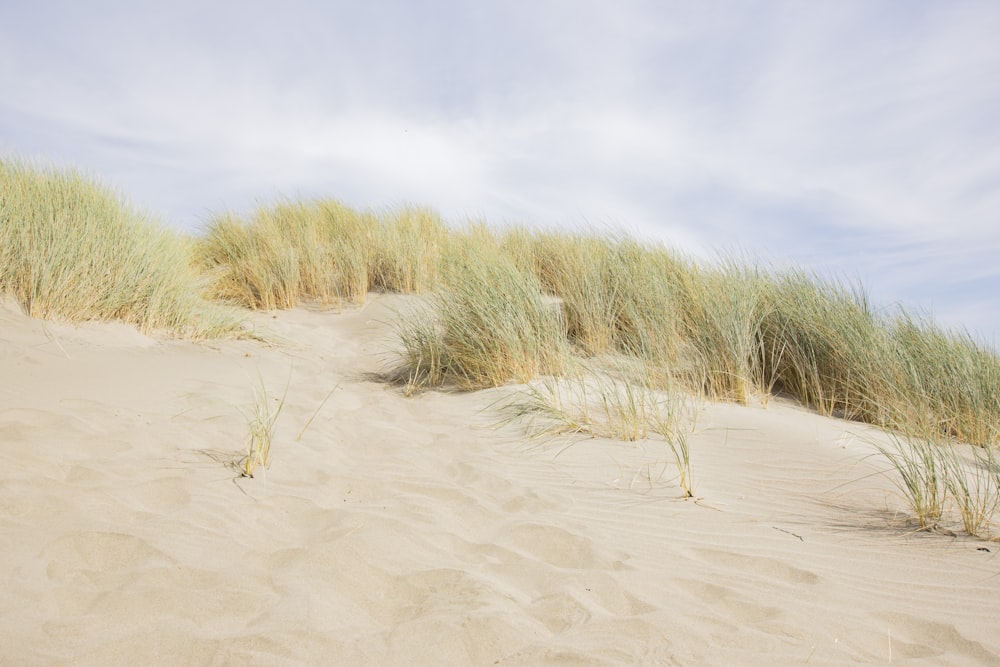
(405, 531)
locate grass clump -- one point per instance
(71, 248)
(922, 469)
(721, 317)
(406, 251)
(320, 250)
(290, 251)
(933, 472)
(260, 425)
(975, 486)
(823, 344)
(949, 377)
(615, 293)
(489, 325)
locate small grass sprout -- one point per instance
(261, 428)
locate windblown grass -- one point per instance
(932, 472)
(320, 250)
(513, 305)
(616, 294)
(260, 427)
(721, 314)
(922, 469)
(72, 249)
(489, 325)
(950, 377)
(615, 402)
(730, 331)
(975, 486)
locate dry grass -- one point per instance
(921, 468)
(513, 305)
(322, 251)
(489, 325)
(933, 472)
(260, 427)
(72, 249)
(614, 401)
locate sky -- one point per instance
(856, 138)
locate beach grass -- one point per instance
(320, 250)
(974, 484)
(933, 473)
(921, 469)
(489, 324)
(73, 249)
(728, 330)
(501, 305)
(607, 398)
(260, 427)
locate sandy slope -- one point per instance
(406, 531)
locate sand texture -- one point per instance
(412, 531)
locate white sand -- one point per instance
(406, 531)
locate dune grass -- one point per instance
(320, 250)
(512, 305)
(727, 331)
(975, 486)
(933, 473)
(260, 427)
(488, 325)
(921, 467)
(72, 249)
(607, 400)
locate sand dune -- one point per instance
(403, 531)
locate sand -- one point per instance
(402, 531)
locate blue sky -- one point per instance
(855, 137)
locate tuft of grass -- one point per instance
(975, 487)
(933, 469)
(616, 293)
(922, 471)
(318, 250)
(836, 352)
(722, 313)
(616, 403)
(489, 325)
(71, 248)
(948, 376)
(249, 265)
(260, 424)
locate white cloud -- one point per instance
(800, 130)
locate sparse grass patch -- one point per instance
(612, 403)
